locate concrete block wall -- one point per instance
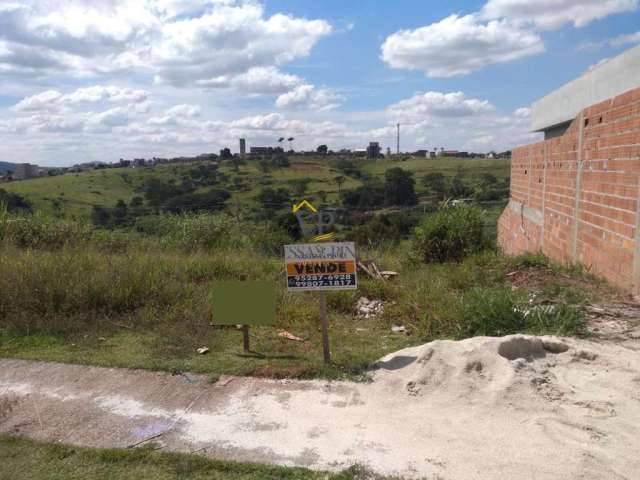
(575, 197)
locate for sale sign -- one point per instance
(321, 266)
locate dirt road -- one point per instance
(484, 408)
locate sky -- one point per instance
(90, 80)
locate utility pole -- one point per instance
(398, 143)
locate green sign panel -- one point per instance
(244, 303)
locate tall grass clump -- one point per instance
(498, 311)
(44, 231)
(449, 235)
(210, 232)
(4, 220)
(189, 231)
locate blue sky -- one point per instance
(86, 81)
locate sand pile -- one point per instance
(484, 408)
(506, 369)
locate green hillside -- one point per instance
(74, 194)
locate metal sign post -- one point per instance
(325, 328)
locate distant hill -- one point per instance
(79, 192)
(5, 166)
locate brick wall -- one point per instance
(575, 197)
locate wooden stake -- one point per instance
(245, 338)
(325, 328)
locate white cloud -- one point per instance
(46, 100)
(438, 104)
(230, 40)
(522, 112)
(310, 97)
(622, 40)
(181, 42)
(459, 45)
(553, 14)
(258, 80)
(53, 100)
(184, 110)
(114, 117)
(177, 115)
(615, 42)
(99, 93)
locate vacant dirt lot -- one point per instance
(485, 408)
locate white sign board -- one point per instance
(321, 266)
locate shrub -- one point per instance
(14, 202)
(436, 184)
(489, 312)
(399, 187)
(530, 260)
(365, 197)
(382, 229)
(43, 231)
(190, 231)
(450, 234)
(498, 311)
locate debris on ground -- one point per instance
(619, 320)
(398, 328)
(371, 269)
(369, 308)
(388, 274)
(202, 350)
(290, 336)
(224, 380)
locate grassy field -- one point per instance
(144, 301)
(77, 193)
(447, 166)
(22, 459)
(142, 298)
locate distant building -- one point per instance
(373, 150)
(360, 152)
(421, 153)
(243, 148)
(26, 170)
(265, 150)
(448, 153)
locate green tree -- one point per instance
(120, 213)
(14, 202)
(299, 187)
(365, 197)
(263, 165)
(280, 161)
(459, 188)
(436, 184)
(100, 216)
(271, 199)
(399, 187)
